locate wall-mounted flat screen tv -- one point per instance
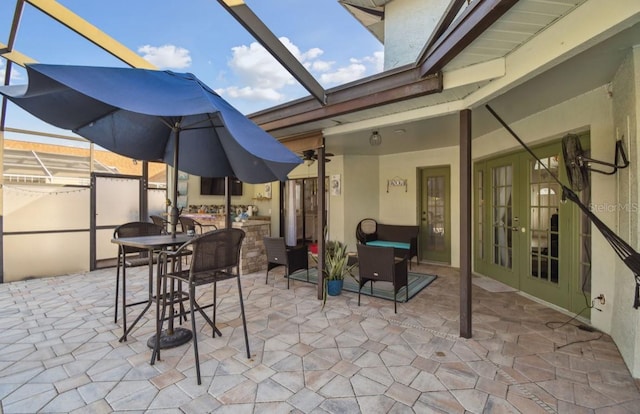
(215, 186)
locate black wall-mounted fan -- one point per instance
(311, 155)
(578, 164)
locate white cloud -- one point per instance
(322, 66)
(312, 54)
(268, 94)
(355, 70)
(257, 68)
(16, 73)
(167, 56)
(264, 79)
(377, 60)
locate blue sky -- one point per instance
(204, 39)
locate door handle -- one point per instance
(518, 229)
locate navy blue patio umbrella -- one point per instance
(153, 115)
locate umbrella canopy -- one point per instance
(154, 115)
(143, 113)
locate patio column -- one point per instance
(322, 219)
(465, 223)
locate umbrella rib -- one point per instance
(209, 118)
(173, 127)
(90, 123)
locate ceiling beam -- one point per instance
(17, 15)
(381, 89)
(14, 56)
(245, 16)
(475, 19)
(90, 32)
(303, 142)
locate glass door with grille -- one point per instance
(435, 215)
(524, 235)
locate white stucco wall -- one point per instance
(625, 323)
(407, 24)
(360, 192)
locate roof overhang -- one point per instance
(378, 90)
(370, 13)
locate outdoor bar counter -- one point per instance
(252, 256)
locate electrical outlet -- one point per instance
(601, 299)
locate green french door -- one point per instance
(435, 215)
(501, 219)
(525, 236)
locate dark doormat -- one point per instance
(384, 290)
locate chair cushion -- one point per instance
(384, 243)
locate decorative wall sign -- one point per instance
(335, 185)
(397, 182)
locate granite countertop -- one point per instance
(208, 216)
(249, 223)
(205, 218)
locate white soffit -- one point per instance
(585, 27)
(370, 21)
(519, 24)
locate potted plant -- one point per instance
(336, 268)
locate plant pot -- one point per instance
(334, 287)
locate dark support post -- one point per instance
(322, 220)
(227, 203)
(465, 223)
(144, 192)
(281, 208)
(175, 213)
(92, 225)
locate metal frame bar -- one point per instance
(245, 16)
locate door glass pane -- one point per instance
(299, 211)
(502, 215)
(436, 213)
(310, 210)
(305, 201)
(544, 230)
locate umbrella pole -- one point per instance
(173, 337)
(227, 202)
(174, 201)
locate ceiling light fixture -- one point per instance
(375, 139)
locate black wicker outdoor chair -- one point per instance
(292, 258)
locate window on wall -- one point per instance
(216, 186)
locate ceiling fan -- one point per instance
(310, 156)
